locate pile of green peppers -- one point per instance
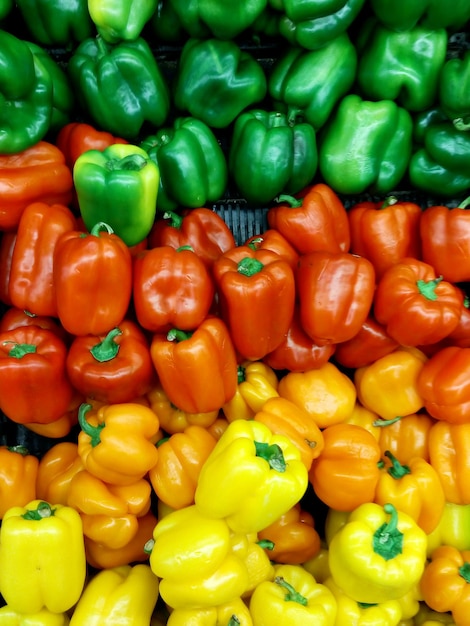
(261, 97)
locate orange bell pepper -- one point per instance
(180, 458)
(115, 441)
(346, 473)
(18, 473)
(256, 383)
(449, 454)
(406, 436)
(218, 428)
(7, 246)
(294, 535)
(59, 428)
(57, 467)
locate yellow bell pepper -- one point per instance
(318, 565)
(254, 553)
(9, 617)
(42, 558)
(378, 555)
(251, 477)
(125, 595)
(233, 613)
(293, 598)
(257, 382)
(427, 617)
(452, 529)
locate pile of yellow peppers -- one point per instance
(155, 516)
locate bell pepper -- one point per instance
(326, 393)
(256, 294)
(192, 164)
(31, 284)
(346, 473)
(444, 243)
(60, 428)
(449, 446)
(33, 383)
(451, 529)
(198, 369)
(173, 419)
(428, 617)
(335, 292)
(120, 86)
(93, 280)
(42, 557)
(416, 306)
(130, 591)
(37, 174)
(166, 25)
(18, 474)
(14, 317)
(272, 239)
(298, 352)
(257, 382)
(9, 617)
(318, 565)
(361, 416)
(283, 417)
(385, 232)
(403, 66)
(111, 368)
(403, 15)
(270, 155)
(310, 25)
(454, 84)
(308, 84)
(56, 469)
(405, 436)
(204, 230)
(370, 343)
(171, 288)
(75, 138)
(294, 535)
(7, 245)
(316, 219)
(115, 441)
(216, 80)
(378, 555)
(442, 387)
(366, 146)
(108, 181)
(389, 385)
(192, 556)
(233, 613)
(123, 21)
(293, 597)
(180, 459)
(255, 554)
(250, 465)
(445, 583)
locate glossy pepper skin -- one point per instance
(123, 21)
(198, 369)
(42, 557)
(75, 138)
(109, 181)
(232, 613)
(93, 280)
(256, 291)
(366, 146)
(272, 239)
(404, 15)
(451, 528)
(216, 80)
(120, 85)
(18, 474)
(454, 83)
(307, 84)
(270, 155)
(56, 469)
(41, 618)
(448, 454)
(192, 164)
(33, 383)
(378, 555)
(406, 436)
(250, 465)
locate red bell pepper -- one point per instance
(34, 387)
(93, 280)
(385, 232)
(14, 317)
(172, 288)
(335, 292)
(31, 285)
(314, 220)
(273, 240)
(198, 371)
(415, 305)
(76, 138)
(7, 245)
(256, 292)
(112, 368)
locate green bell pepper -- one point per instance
(165, 26)
(222, 19)
(309, 83)
(366, 146)
(216, 80)
(422, 121)
(269, 155)
(406, 14)
(26, 93)
(312, 24)
(400, 65)
(118, 186)
(193, 169)
(454, 90)
(120, 86)
(121, 20)
(6, 7)
(58, 23)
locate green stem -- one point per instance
(129, 163)
(23, 450)
(292, 595)
(234, 621)
(107, 349)
(464, 571)
(389, 201)
(255, 243)
(294, 203)
(381, 423)
(187, 247)
(175, 219)
(266, 544)
(175, 334)
(460, 124)
(464, 204)
(397, 470)
(428, 288)
(100, 227)
(272, 454)
(20, 349)
(249, 266)
(92, 431)
(387, 539)
(42, 511)
(241, 374)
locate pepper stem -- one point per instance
(266, 544)
(397, 470)
(292, 595)
(387, 539)
(389, 201)
(175, 334)
(464, 571)
(272, 454)
(460, 124)
(294, 203)
(428, 288)
(107, 349)
(249, 266)
(234, 621)
(130, 163)
(381, 422)
(42, 511)
(241, 374)
(175, 219)
(464, 204)
(99, 227)
(20, 349)
(92, 431)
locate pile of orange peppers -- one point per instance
(273, 431)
